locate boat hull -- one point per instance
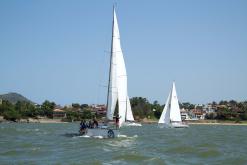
(102, 133)
(174, 125)
(179, 125)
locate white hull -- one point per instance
(174, 125)
(132, 124)
(179, 125)
(102, 133)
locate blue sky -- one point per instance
(59, 50)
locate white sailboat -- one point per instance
(171, 116)
(117, 89)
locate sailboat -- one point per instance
(117, 89)
(171, 116)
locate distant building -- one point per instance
(184, 114)
(99, 109)
(209, 108)
(59, 113)
(198, 114)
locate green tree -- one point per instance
(6, 106)
(11, 115)
(84, 106)
(76, 105)
(157, 109)
(141, 107)
(48, 107)
(26, 109)
(8, 111)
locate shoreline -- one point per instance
(201, 122)
(237, 124)
(215, 122)
(32, 120)
(143, 121)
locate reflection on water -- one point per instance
(61, 144)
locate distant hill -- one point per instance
(14, 97)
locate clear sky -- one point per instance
(59, 50)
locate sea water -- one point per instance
(59, 144)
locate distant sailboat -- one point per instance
(171, 116)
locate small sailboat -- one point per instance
(171, 116)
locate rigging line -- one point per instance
(100, 77)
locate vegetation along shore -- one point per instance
(16, 108)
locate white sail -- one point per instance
(175, 115)
(112, 89)
(117, 90)
(165, 116)
(121, 73)
(129, 114)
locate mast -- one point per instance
(109, 80)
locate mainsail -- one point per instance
(117, 89)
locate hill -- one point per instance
(14, 97)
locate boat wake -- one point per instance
(122, 136)
(128, 137)
(71, 135)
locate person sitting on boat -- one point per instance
(90, 124)
(95, 123)
(83, 127)
(81, 124)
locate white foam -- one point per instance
(98, 137)
(84, 136)
(125, 136)
(107, 150)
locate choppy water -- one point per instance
(54, 144)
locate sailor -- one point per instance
(90, 125)
(83, 127)
(117, 121)
(95, 123)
